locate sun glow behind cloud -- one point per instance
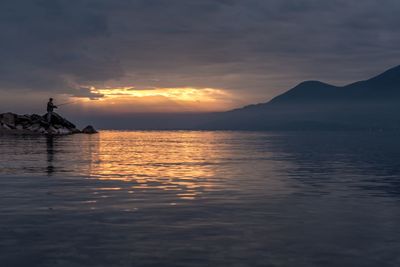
(129, 99)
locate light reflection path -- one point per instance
(187, 163)
(126, 170)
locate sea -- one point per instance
(199, 198)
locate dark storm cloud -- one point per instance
(254, 47)
(48, 45)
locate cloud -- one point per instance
(50, 45)
(255, 48)
(85, 92)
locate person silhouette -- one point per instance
(50, 109)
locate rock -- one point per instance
(36, 118)
(8, 119)
(42, 130)
(5, 126)
(52, 130)
(22, 120)
(89, 130)
(64, 131)
(34, 127)
(13, 123)
(58, 120)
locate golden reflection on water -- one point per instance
(171, 161)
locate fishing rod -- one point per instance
(67, 103)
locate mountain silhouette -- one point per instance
(383, 86)
(372, 104)
(368, 105)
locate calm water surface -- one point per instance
(200, 199)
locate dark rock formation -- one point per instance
(89, 130)
(13, 123)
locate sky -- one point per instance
(150, 56)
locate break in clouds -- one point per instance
(252, 48)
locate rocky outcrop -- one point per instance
(13, 123)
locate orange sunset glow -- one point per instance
(129, 99)
(167, 175)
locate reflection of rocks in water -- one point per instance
(367, 161)
(50, 154)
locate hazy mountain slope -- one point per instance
(383, 86)
(369, 104)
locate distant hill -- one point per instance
(365, 105)
(372, 104)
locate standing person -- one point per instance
(50, 109)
